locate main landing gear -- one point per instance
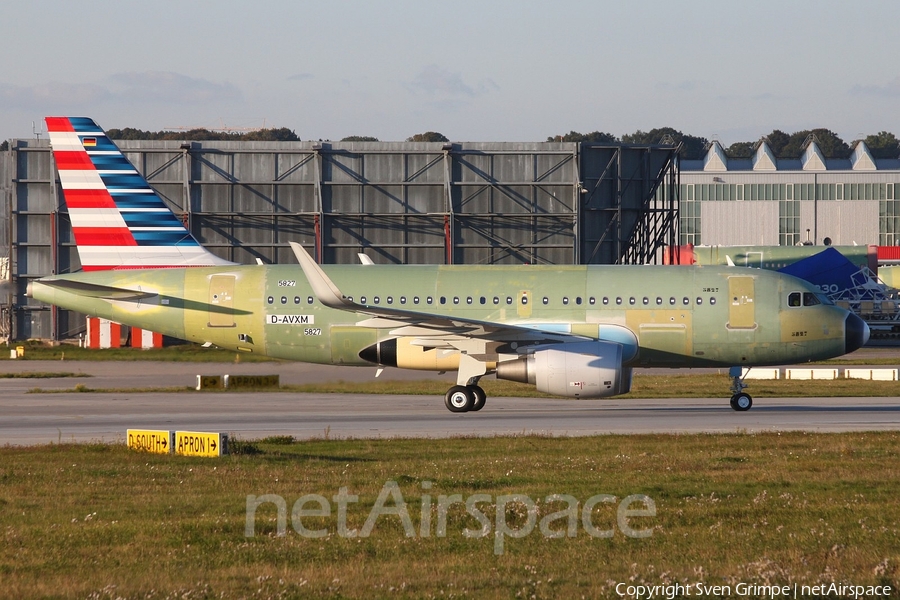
(740, 400)
(465, 398)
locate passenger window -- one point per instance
(483, 300)
(686, 301)
(415, 299)
(672, 300)
(809, 299)
(591, 301)
(362, 299)
(605, 300)
(509, 299)
(565, 299)
(699, 300)
(455, 299)
(402, 299)
(712, 300)
(443, 300)
(794, 299)
(271, 300)
(658, 300)
(350, 298)
(390, 300)
(430, 300)
(284, 299)
(309, 299)
(469, 300)
(646, 300)
(631, 300)
(376, 299)
(618, 299)
(524, 300)
(578, 300)
(496, 300)
(546, 300)
(296, 299)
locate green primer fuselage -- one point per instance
(681, 316)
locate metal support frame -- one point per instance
(637, 230)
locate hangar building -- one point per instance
(766, 201)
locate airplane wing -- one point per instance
(429, 328)
(94, 290)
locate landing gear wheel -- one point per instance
(459, 399)
(480, 398)
(741, 402)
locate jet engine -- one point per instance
(578, 370)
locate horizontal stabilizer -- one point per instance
(93, 290)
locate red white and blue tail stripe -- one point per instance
(118, 221)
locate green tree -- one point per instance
(693, 148)
(831, 145)
(130, 133)
(597, 137)
(777, 140)
(280, 134)
(4, 146)
(740, 150)
(884, 144)
(359, 138)
(428, 136)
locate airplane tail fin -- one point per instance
(118, 221)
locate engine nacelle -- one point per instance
(577, 370)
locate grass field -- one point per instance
(100, 521)
(179, 353)
(195, 353)
(645, 386)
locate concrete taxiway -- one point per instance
(29, 418)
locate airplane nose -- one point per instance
(856, 333)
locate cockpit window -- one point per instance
(806, 299)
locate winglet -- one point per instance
(326, 292)
(363, 259)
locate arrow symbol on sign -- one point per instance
(164, 443)
(212, 445)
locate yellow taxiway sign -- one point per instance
(151, 440)
(197, 443)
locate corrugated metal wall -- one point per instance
(740, 223)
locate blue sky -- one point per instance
(473, 70)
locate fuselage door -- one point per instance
(221, 301)
(741, 309)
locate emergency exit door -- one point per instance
(742, 308)
(221, 301)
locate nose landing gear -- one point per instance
(740, 400)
